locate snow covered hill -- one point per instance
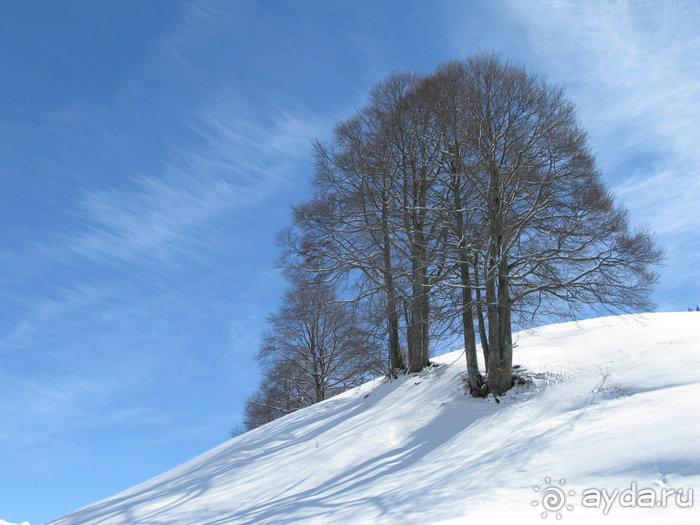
(612, 411)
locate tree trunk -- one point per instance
(506, 379)
(495, 370)
(409, 338)
(480, 314)
(395, 358)
(473, 375)
(417, 358)
(475, 378)
(499, 377)
(420, 309)
(500, 373)
(425, 331)
(494, 367)
(317, 373)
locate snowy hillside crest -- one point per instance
(607, 404)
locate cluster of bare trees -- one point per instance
(467, 198)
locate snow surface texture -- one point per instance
(611, 401)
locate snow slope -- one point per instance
(613, 401)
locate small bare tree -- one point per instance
(317, 347)
(283, 389)
(320, 336)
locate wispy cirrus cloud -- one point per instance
(227, 151)
(239, 163)
(100, 324)
(632, 67)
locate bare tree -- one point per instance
(283, 389)
(420, 230)
(461, 212)
(317, 347)
(377, 183)
(555, 237)
(321, 337)
(350, 223)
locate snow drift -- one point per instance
(609, 404)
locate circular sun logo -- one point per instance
(552, 498)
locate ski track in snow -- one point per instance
(612, 401)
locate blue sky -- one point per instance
(149, 151)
